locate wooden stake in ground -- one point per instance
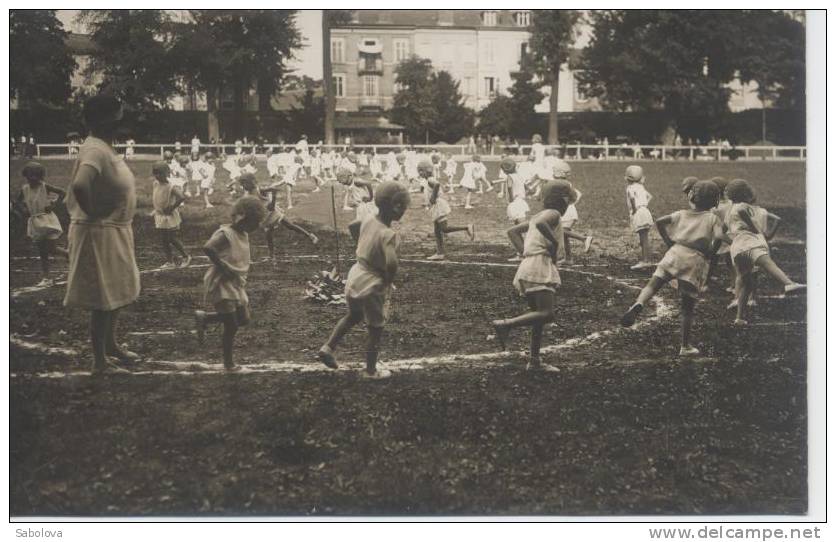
(336, 228)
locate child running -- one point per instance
(749, 227)
(537, 277)
(43, 226)
(561, 170)
(275, 215)
(207, 183)
(472, 179)
(359, 194)
(693, 237)
(166, 199)
(440, 212)
(640, 218)
(225, 282)
(369, 281)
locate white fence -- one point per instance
(570, 152)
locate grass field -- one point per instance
(460, 429)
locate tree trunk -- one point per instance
(553, 139)
(213, 127)
(266, 88)
(327, 79)
(238, 108)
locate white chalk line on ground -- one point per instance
(662, 311)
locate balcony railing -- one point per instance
(370, 66)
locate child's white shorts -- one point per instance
(568, 219)
(517, 209)
(206, 184)
(641, 219)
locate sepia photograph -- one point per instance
(404, 263)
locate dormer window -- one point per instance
(522, 18)
(489, 18)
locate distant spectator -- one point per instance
(129, 148)
(195, 144)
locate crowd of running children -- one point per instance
(721, 223)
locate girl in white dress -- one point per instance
(537, 277)
(640, 218)
(43, 227)
(440, 212)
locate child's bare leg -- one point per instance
(439, 237)
(112, 347)
(175, 242)
(567, 246)
(343, 326)
(43, 253)
(651, 288)
(744, 289)
(768, 264)
(373, 348)
(271, 249)
(467, 200)
(452, 229)
(230, 323)
(644, 240)
(687, 303)
(165, 240)
(289, 197)
(542, 311)
(99, 330)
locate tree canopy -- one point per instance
(553, 33)
(240, 49)
(133, 54)
(429, 104)
(678, 62)
(40, 64)
(772, 54)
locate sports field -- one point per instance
(461, 428)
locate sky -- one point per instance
(309, 22)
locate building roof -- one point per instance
(460, 18)
(80, 44)
(287, 100)
(358, 122)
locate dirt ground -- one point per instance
(624, 428)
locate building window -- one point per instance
(468, 86)
(580, 96)
(523, 54)
(490, 87)
(487, 50)
(401, 50)
(489, 18)
(370, 86)
(337, 50)
(339, 85)
(522, 18)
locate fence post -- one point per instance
(38, 150)
(691, 154)
(774, 153)
(746, 152)
(663, 152)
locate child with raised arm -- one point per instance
(537, 277)
(166, 199)
(693, 237)
(561, 170)
(359, 193)
(225, 282)
(207, 183)
(640, 218)
(440, 211)
(43, 226)
(370, 280)
(750, 227)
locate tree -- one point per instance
(241, 50)
(453, 118)
(429, 104)
(308, 118)
(413, 105)
(40, 64)
(552, 34)
(498, 117)
(677, 62)
(525, 95)
(132, 54)
(772, 54)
